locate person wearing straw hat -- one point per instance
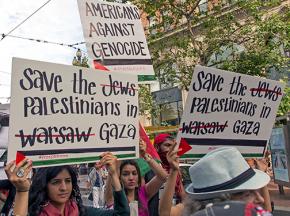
(222, 183)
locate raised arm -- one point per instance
(165, 204)
(110, 161)
(17, 175)
(121, 206)
(264, 191)
(152, 187)
(108, 193)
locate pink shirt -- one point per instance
(143, 199)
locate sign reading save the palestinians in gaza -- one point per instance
(114, 33)
(67, 115)
(229, 109)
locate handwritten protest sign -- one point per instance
(229, 109)
(66, 115)
(114, 33)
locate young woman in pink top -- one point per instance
(130, 178)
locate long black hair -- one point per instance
(38, 196)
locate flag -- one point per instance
(19, 157)
(99, 66)
(184, 147)
(143, 165)
(149, 147)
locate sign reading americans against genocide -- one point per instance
(114, 34)
(229, 109)
(66, 115)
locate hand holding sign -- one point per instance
(21, 183)
(142, 147)
(110, 161)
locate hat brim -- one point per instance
(259, 180)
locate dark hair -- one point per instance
(132, 163)
(191, 205)
(91, 165)
(38, 197)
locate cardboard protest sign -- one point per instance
(114, 34)
(67, 115)
(229, 109)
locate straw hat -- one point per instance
(223, 170)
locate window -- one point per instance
(166, 23)
(202, 6)
(152, 23)
(171, 113)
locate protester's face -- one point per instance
(60, 188)
(166, 145)
(96, 165)
(129, 177)
(252, 196)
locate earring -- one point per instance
(45, 204)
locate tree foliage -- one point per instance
(147, 106)
(285, 103)
(243, 36)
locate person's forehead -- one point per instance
(63, 174)
(168, 142)
(129, 168)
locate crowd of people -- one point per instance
(222, 183)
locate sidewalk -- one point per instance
(281, 201)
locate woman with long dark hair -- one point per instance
(54, 190)
(130, 177)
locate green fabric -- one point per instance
(143, 165)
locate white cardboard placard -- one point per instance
(114, 33)
(67, 115)
(229, 109)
